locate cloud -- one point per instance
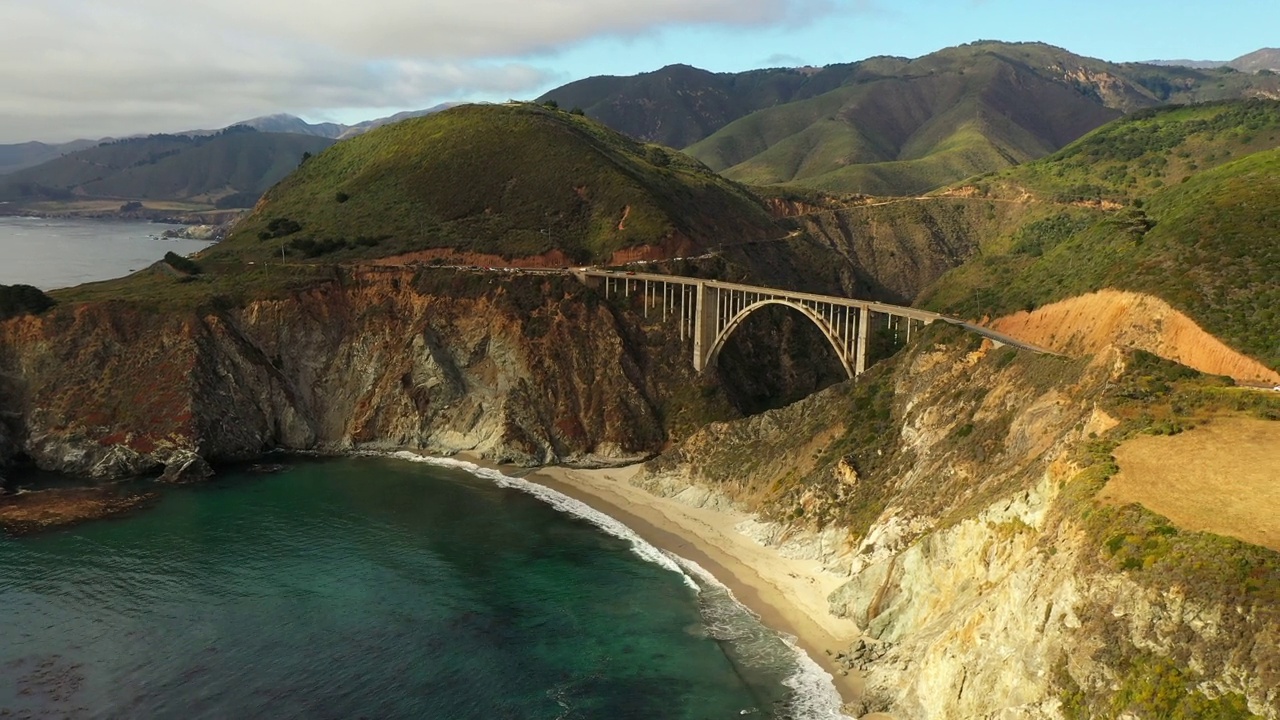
(87, 68)
(782, 60)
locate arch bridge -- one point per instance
(708, 312)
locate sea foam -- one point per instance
(814, 694)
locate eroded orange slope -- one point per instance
(1088, 323)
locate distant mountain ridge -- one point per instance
(889, 125)
(19, 156)
(29, 154)
(1258, 60)
(228, 169)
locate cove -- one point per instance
(371, 587)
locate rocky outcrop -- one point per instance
(518, 369)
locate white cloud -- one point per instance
(91, 68)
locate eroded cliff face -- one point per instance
(948, 486)
(525, 370)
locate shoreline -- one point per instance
(788, 595)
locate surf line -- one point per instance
(815, 694)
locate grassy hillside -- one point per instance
(679, 105)
(905, 135)
(512, 180)
(1206, 245)
(166, 167)
(1145, 152)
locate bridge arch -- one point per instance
(844, 352)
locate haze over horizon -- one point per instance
(81, 70)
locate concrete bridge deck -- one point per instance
(708, 311)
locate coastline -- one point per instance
(788, 595)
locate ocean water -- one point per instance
(53, 253)
(375, 587)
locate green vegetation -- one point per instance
(1206, 245)
(1150, 686)
(184, 265)
(229, 169)
(918, 126)
(679, 105)
(1144, 152)
(220, 284)
(22, 300)
(513, 180)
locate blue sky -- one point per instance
(86, 68)
(1116, 30)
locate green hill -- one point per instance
(513, 180)
(908, 133)
(237, 163)
(893, 126)
(1206, 244)
(679, 105)
(1144, 152)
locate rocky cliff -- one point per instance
(957, 487)
(517, 369)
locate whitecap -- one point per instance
(563, 503)
(814, 694)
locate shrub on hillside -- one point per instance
(18, 300)
(181, 264)
(237, 200)
(279, 227)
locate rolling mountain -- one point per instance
(292, 124)
(892, 125)
(29, 154)
(237, 165)
(1256, 61)
(679, 105)
(512, 180)
(359, 128)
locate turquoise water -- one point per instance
(55, 253)
(378, 588)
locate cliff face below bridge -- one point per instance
(527, 370)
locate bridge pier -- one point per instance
(864, 328)
(705, 324)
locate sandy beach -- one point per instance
(789, 595)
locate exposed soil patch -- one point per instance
(1086, 324)
(1223, 477)
(41, 510)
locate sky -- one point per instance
(99, 68)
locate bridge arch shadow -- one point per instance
(842, 350)
(774, 354)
